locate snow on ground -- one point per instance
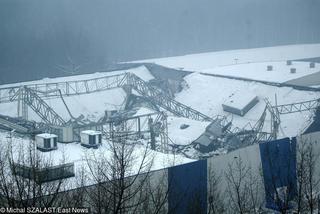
(206, 94)
(202, 61)
(140, 71)
(92, 106)
(258, 71)
(177, 135)
(184, 136)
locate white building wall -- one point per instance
(250, 157)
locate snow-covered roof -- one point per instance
(207, 94)
(90, 132)
(240, 99)
(249, 63)
(75, 153)
(258, 71)
(46, 135)
(209, 60)
(185, 136)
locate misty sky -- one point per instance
(37, 37)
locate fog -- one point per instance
(43, 38)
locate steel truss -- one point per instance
(12, 125)
(156, 96)
(159, 98)
(39, 106)
(298, 107)
(69, 88)
(275, 120)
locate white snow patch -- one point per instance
(184, 136)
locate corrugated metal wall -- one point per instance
(273, 164)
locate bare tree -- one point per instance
(75, 195)
(157, 191)
(119, 177)
(242, 188)
(25, 175)
(307, 175)
(215, 199)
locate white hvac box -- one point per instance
(46, 142)
(91, 138)
(240, 103)
(67, 134)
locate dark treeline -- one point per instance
(38, 38)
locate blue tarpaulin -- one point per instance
(188, 188)
(278, 160)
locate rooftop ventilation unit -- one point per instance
(46, 142)
(289, 62)
(269, 68)
(91, 138)
(293, 70)
(240, 103)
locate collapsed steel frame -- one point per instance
(70, 88)
(67, 88)
(33, 95)
(46, 113)
(154, 124)
(30, 95)
(78, 87)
